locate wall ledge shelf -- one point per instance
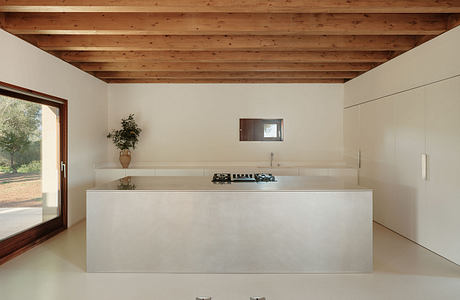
(110, 173)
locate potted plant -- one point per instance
(126, 139)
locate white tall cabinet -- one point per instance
(351, 131)
(441, 231)
(408, 191)
(377, 154)
(392, 133)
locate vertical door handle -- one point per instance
(424, 166)
(63, 169)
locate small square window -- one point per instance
(270, 130)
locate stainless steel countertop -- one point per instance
(203, 183)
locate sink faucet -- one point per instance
(271, 159)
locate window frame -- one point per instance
(24, 240)
(245, 123)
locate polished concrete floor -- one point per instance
(56, 270)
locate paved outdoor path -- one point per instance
(16, 219)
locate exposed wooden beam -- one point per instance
(170, 66)
(218, 80)
(453, 21)
(222, 42)
(421, 39)
(395, 54)
(207, 75)
(226, 23)
(283, 6)
(223, 56)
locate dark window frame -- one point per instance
(22, 241)
(251, 130)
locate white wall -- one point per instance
(27, 66)
(200, 122)
(393, 114)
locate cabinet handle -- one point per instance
(359, 159)
(424, 166)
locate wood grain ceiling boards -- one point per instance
(227, 41)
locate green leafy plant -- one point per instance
(128, 136)
(6, 169)
(32, 167)
(125, 184)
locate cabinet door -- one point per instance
(409, 186)
(377, 142)
(441, 224)
(351, 135)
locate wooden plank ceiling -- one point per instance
(227, 41)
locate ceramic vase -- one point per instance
(125, 158)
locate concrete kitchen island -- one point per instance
(191, 225)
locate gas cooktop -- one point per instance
(243, 177)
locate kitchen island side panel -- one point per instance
(229, 232)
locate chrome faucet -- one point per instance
(271, 159)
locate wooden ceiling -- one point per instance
(227, 41)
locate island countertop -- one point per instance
(298, 224)
(203, 183)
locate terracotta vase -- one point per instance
(125, 158)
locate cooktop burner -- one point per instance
(243, 177)
(264, 177)
(221, 177)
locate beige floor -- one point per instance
(55, 270)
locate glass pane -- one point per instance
(261, 129)
(29, 165)
(270, 131)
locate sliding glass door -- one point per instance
(32, 168)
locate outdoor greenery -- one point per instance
(5, 169)
(32, 167)
(128, 136)
(20, 138)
